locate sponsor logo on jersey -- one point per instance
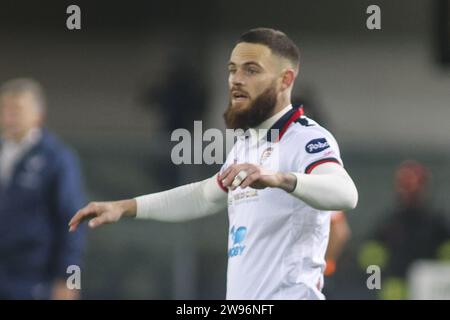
(317, 145)
(237, 236)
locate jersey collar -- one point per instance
(268, 123)
(284, 119)
(279, 121)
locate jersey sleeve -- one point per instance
(317, 146)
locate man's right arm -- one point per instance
(183, 203)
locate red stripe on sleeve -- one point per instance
(313, 165)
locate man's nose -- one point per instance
(237, 79)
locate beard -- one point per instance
(254, 114)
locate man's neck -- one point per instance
(261, 130)
(29, 136)
(268, 123)
(281, 105)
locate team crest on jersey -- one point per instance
(265, 154)
(317, 145)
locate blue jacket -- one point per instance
(43, 194)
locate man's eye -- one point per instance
(252, 71)
(231, 71)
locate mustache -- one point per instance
(234, 89)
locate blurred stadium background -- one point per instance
(138, 69)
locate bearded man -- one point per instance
(279, 196)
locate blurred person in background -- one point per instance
(339, 235)
(414, 230)
(180, 97)
(40, 187)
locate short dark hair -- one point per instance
(277, 41)
(25, 85)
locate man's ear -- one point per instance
(288, 79)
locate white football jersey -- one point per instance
(277, 243)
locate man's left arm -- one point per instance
(68, 197)
(327, 187)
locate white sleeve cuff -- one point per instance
(328, 187)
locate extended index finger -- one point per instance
(82, 215)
